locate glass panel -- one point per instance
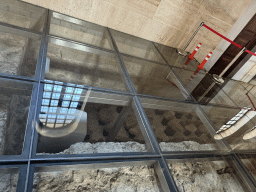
(169, 53)
(180, 126)
(234, 134)
(204, 89)
(18, 54)
(188, 64)
(136, 47)
(78, 30)
(129, 177)
(14, 108)
(88, 125)
(75, 63)
(177, 60)
(215, 174)
(9, 179)
(250, 163)
(22, 14)
(150, 78)
(238, 94)
(185, 77)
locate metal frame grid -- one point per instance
(28, 162)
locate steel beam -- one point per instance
(21, 185)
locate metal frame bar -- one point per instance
(246, 172)
(245, 176)
(29, 162)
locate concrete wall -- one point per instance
(169, 22)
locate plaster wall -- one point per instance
(169, 22)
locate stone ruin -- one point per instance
(189, 176)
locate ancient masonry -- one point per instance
(189, 176)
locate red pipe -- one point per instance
(232, 42)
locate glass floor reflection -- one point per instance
(87, 108)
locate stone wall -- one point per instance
(193, 175)
(3, 119)
(176, 131)
(11, 53)
(190, 176)
(13, 121)
(129, 179)
(8, 182)
(18, 54)
(201, 176)
(16, 124)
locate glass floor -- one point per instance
(87, 108)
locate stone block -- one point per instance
(198, 133)
(191, 127)
(159, 112)
(172, 146)
(164, 121)
(169, 131)
(106, 115)
(175, 124)
(169, 115)
(187, 133)
(130, 121)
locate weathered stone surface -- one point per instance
(11, 50)
(125, 179)
(138, 135)
(203, 176)
(16, 124)
(104, 147)
(191, 176)
(8, 182)
(13, 119)
(106, 115)
(130, 121)
(191, 127)
(3, 118)
(169, 115)
(186, 146)
(18, 54)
